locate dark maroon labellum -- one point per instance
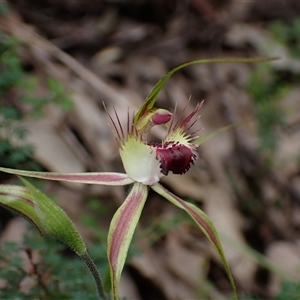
(175, 157)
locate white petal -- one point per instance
(140, 161)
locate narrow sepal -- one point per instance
(89, 178)
(151, 98)
(121, 231)
(47, 217)
(204, 223)
(206, 137)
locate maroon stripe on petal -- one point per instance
(204, 223)
(126, 214)
(121, 231)
(88, 178)
(206, 227)
(200, 220)
(92, 177)
(109, 178)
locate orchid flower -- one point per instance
(145, 163)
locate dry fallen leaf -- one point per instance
(229, 223)
(286, 256)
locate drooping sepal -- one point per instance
(121, 231)
(203, 222)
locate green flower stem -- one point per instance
(93, 269)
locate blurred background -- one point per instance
(60, 60)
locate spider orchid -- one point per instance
(145, 163)
(151, 161)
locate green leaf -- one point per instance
(204, 223)
(151, 98)
(48, 218)
(121, 231)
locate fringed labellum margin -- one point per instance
(146, 162)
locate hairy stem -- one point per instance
(93, 269)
